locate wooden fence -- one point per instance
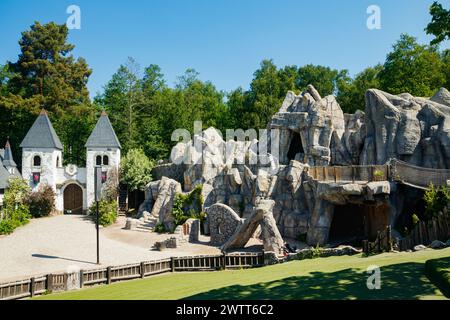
(426, 232)
(423, 233)
(67, 281)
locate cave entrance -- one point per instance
(295, 146)
(353, 223)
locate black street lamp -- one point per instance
(98, 196)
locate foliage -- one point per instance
(412, 68)
(107, 211)
(436, 200)
(42, 201)
(16, 209)
(160, 228)
(415, 219)
(440, 23)
(186, 206)
(351, 92)
(324, 79)
(46, 75)
(135, 169)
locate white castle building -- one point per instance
(42, 160)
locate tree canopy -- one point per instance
(439, 26)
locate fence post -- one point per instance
(108, 275)
(32, 288)
(81, 278)
(389, 239)
(172, 264)
(224, 260)
(142, 270)
(50, 282)
(378, 242)
(365, 247)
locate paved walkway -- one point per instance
(55, 244)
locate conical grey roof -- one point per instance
(103, 135)
(8, 160)
(42, 134)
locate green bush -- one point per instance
(16, 209)
(186, 206)
(160, 228)
(42, 201)
(436, 199)
(107, 212)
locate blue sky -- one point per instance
(224, 40)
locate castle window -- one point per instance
(105, 160)
(58, 163)
(98, 160)
(37, 161)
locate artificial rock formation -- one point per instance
(223, 222)
(313, 134)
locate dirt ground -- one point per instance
(57, 244)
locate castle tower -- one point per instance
(103, 150)
(8, 161)
(41, 153)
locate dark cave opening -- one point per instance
(295, 146)
(353, 223)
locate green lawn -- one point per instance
(402, 277)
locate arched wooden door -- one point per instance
(73, 199)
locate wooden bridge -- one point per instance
(394, 170)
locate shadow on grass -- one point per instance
(401, 281)
(438, 271)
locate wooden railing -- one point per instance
(64, 281)
(350, 173)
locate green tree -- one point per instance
(123, 99)
(412, 68)
(46, 75)
(324, 79)
(439, 26)
(135, 170)
(351, 92)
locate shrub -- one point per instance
(187, 206)
(135, 169)
(436, 200)
(160, 228)
(415, 219)
(16, 209)
(42, 201)
(107, 212)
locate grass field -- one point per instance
(402, 277)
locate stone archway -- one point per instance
(73, 199)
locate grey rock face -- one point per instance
(162, 207)
(312, 132)
(223, 222)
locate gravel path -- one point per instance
(56, 244)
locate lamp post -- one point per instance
(98, 195)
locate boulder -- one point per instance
(162, 207)
(419, 247)
(436, 244)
